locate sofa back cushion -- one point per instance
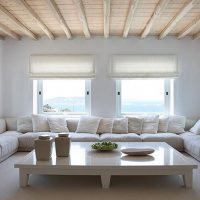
(150, 124)
(72, 124)
(105, 125)
(2, 125)
(88, 125)
(120, 125)
(176, 124)
(24, 124)
(163, 124)
(57, 124)
(40, 123)
(135, 124)
(11, 124)
(196, 128)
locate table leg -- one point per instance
(105, 180)
(23, 178)
(187, 179)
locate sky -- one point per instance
(142, 89)
(63, 88)
(131, 89)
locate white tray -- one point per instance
(138, 151)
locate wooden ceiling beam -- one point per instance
(157, 12)
(186, 8)
(25, 30)
(81, 13)
(37, 19)
(132, 7)
(59, 17)
(189, 28)
(9, 32)
(106, 8)
(197, 35)
(1, 37)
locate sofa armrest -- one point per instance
(2, 125)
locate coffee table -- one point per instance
(83, 161)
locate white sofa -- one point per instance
(12, 141)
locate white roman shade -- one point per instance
(62, 66)
(143, 66)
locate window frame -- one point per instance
(73, 114)
(168, 99)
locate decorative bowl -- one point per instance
(104, 146)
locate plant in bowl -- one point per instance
(104, 146)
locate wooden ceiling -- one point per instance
(88, 18)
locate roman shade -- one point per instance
(143, 66)
(62, 66)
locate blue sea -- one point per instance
(140, 106)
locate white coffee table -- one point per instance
(84, 161)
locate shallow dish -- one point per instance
(143, 151)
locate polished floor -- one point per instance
(89, 187)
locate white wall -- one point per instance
(18, 88)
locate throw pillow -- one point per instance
(57, 124)
(88, 125)
(2, 125)
(120, 125)
(40, 123)
(176, 124)
(24, 124)
(135, 124)
(105, 125)
(196, 128)
(163, 124)
(150, 124)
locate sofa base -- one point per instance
(8, 155)
(192, 154)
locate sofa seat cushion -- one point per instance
(172, 139)
(12, 133)
(84, 137)
(192, 144)
(126, 137)
(8, 145)
(26, 141)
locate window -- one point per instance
(144, 96)
(63, 97)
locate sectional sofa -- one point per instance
(12, 140)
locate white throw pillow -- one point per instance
(105, 125)
(40, 123)
(120, 125)
(163, 124)
(196, 128)
(58, 124)
(135, 124)
(176, 124)
(150, 124)
(24, 124)
(88, 125)
(2, 125)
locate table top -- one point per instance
(82, 156)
